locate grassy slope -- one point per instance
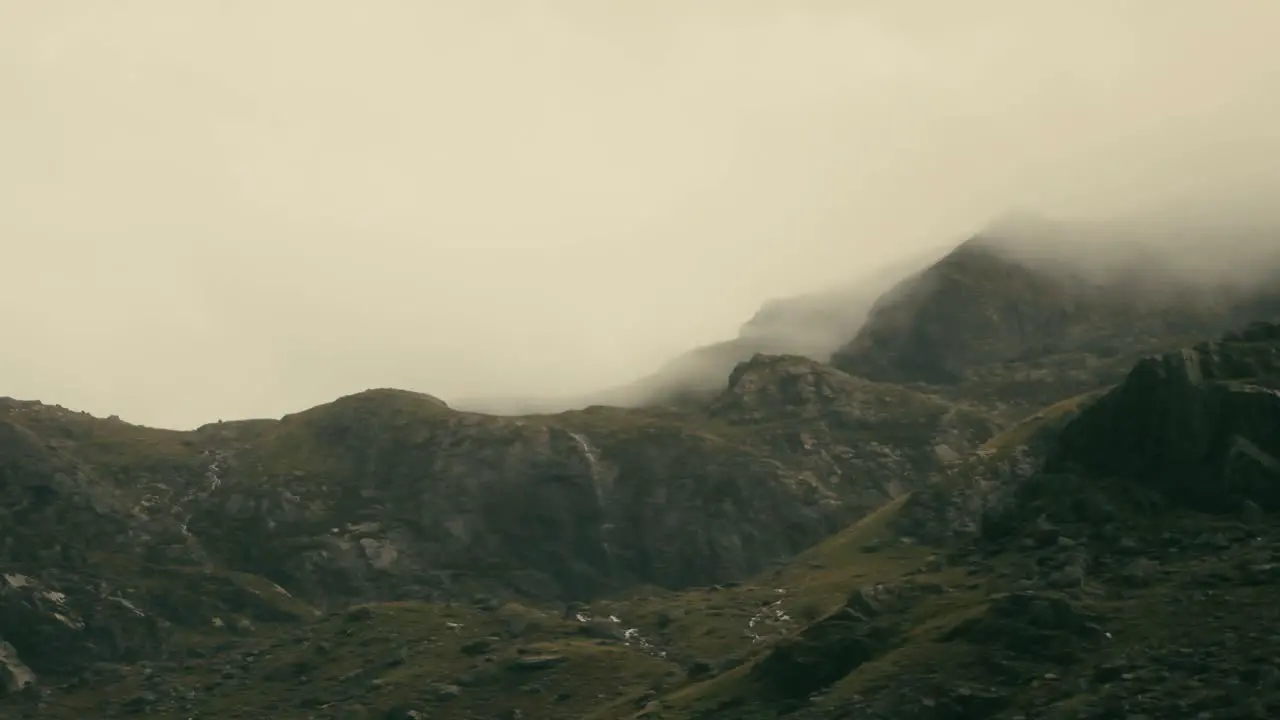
(408, 655)
(375, 659)
(388, 655)
(401, 648)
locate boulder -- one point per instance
(15, 676)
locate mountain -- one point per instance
(1057, 310)
(811, 325)
(121, 542)
(1051, 572)
(1019, 491)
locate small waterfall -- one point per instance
(217, 463)
(598, 481)
(593, 463)
(771, 614)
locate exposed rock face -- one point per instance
(119, 541)
(391, 502)
(788, 387)
(865, 627)
(42, 487)
(805, 405)
(59, 606)
(1198, 427)
(15, 676)
(388, 495)
(399, 508)
(973, 307)
(1202, 424)
(59, 630)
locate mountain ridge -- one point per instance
(804, 540)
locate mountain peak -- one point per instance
(992, 301)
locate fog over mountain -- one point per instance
(238, 209)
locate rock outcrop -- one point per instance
(15, 676)
(1201, 424)
(974, 306)
(868, 625)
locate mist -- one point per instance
(1188, 252)
(227, 209)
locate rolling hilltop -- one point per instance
(1018, 489)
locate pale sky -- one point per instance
(242, 208)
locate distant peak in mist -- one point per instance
(1192, 245)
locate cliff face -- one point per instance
(115, 535)
(1201, 425)
(392, 500)
(971, 308)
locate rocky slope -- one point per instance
(1050, 573)
(1055, 571)
(121, 542)
(1119, 560)
(1202, 424)
(808, 541)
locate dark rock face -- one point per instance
(42, 487)
(1043, 624)
(388, 495)
(60, 630)
(866, 627)
(551, 511)
(965, 500)
(57, 609)
(15, 676)
(388, 503)
(1202, 424)
(972, 307)
(774, 388)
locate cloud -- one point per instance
(228, 209)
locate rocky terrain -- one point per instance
(1010, 496)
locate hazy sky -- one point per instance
(231, 208)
